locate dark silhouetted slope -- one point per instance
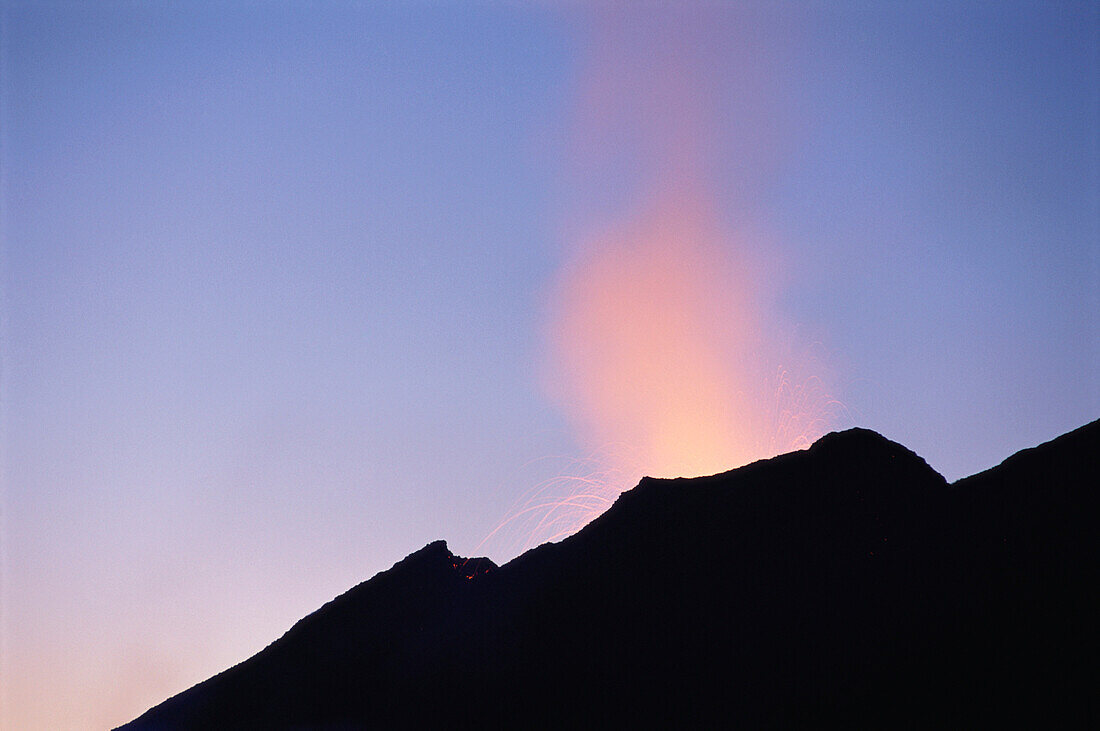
(844, 585)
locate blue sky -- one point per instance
(276, 277)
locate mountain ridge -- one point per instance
(848, 580)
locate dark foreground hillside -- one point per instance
(845, 585)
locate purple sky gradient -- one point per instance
(274, 280)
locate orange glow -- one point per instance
(658, 335)
(661, 346)
(646, 343)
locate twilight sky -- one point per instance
(291, 289)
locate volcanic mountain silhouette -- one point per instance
(844, 585)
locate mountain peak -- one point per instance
(434, 551)
(860, 439)
(858, 446)
(437, 556)
(854, 435)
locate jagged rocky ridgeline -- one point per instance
(845, 585)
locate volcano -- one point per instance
(845, 585)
